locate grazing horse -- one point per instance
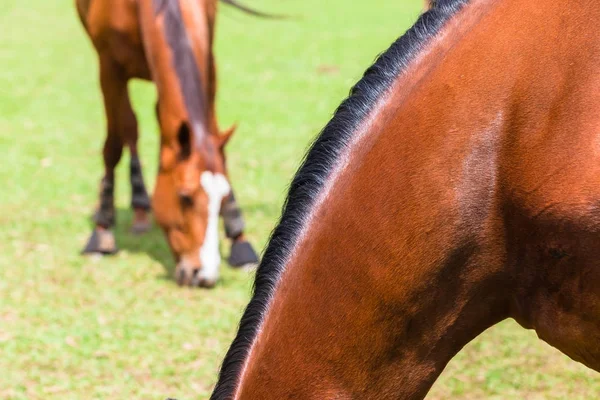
(457, 186)
(171, 43)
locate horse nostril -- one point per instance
(181, 277)
(186, 200)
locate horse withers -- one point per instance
(171, 43)
(457, 186)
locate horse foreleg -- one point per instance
(242, 252)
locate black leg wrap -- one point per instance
(242, 254)
(232, 218)
(139, 195)
(105, 216)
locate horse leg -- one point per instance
(140, 202)
(242, 253)
(114, 85)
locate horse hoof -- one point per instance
(140, 227)
(242, 255)
(141, 221)
(102, 242)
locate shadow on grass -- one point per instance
(152, 243)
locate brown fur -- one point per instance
(472, 195)
(130, 41)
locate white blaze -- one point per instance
(216, 188)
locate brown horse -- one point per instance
(457, 186)
(171, 43)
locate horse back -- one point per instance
(114, 29)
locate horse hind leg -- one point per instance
(140, 202)
(121, 130)
(242, 253)
(127, 126)
(102, 240)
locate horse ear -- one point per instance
(226, 135)
(184, 139)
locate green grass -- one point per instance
(85, 328)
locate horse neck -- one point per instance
(375, 305)
(385, 285)
(177, 38)
(353, 329)
(199, 19)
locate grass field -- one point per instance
(88, 328)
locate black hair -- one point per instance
(315, 170)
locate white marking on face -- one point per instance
(216, 188)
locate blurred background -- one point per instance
(74, 327)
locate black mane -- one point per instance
(314, 172)
(186, 69)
